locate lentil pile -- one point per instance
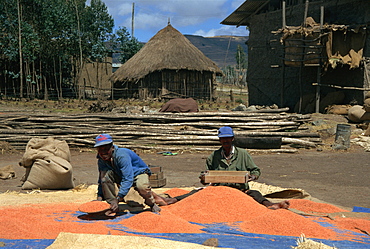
(93, 206)
(212, 205)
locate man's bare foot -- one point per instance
(163, 201)
(170, 200)
(284, 204)
(160, 202)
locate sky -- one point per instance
(189, 17)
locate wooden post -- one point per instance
(210, 90)
(284, 15)
(317, 98)
(282, 85)
(305, 13)
(132, 20)
(300, 88)
(112, 90)
(20, 50)
(231, 96)
(283, 67)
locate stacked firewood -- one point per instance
(158, 131)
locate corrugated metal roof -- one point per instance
(241, 15)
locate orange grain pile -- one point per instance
(287, 223)
(93, 206)
(357, 225)
(45, 221)
(165, 222)
(210, 205)
(216, 204)
(176, 192)
(314, 207)
(223, 204)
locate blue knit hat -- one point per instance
(103, 139)
(225, 131)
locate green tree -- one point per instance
(241, 58)
(126, 45)
(45, 42)
(9, 71)
(97, 28)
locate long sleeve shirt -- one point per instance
(126, 164)
(240, 160)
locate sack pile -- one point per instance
(47, 163)
(358, 113)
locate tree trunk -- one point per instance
(20, 50)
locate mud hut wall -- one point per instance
(183, 83)
(265, 82)
(188, 83)
(96, 74)
(150, 86)
(120, 90)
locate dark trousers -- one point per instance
(255, 194)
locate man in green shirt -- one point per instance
(232, 158)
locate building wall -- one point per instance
(265, 66)
(169, 84)
(94, 79)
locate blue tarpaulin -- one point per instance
(361, 210)
(228, 236)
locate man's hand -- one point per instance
(155, 208)
(99, 198)
(251, 178)
(202, 178)
(114, 205)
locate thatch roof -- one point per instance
(168, 49)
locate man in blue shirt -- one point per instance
(125, 168)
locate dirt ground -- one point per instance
(337, 177)
(340, 177)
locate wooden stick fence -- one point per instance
(157, 131)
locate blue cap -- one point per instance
(225, 131)
(103, 139)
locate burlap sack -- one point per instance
(7, 172)
(332, 98)
(39, 148)
(49, 173)
(367, 132)
(357, 114)
(97, 241)
(338, 109)
(367, 105)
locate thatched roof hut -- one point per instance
(168, 64)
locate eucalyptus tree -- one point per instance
(241, 58)
(125, 44)
(97, 28)
(9, 47)
(50, 22)
(47, 41)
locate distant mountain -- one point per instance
(220, 49)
